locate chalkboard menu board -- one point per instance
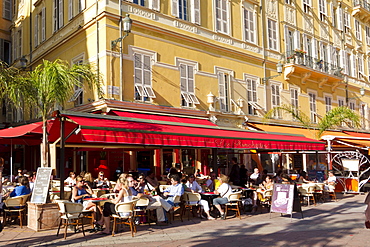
(282, 198)
(41, 186)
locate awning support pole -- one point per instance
(62, 158)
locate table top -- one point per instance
(96, 199)
(248, 188)
(102, 189)
(209, 193)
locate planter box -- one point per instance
(43, 216)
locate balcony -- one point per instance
(361, 10)
(310, 67)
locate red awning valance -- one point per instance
(105, 129)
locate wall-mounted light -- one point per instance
(127, 24)
(279, 69)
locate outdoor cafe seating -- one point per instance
(125, 213)
(15, 207)
(70, 214)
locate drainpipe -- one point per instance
(120, 55)
(263, 25)
(97, 41)
(30, 31)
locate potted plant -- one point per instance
(299, 52)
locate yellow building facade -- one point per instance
(210, 58)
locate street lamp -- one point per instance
(279, 69)
(127, 23)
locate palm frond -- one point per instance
(294, 112)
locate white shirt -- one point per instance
(225, 190)
(254, 176)
(194, 186)
(332, 179)
(70, 181)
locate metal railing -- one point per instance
(303, 59)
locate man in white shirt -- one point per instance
(224, 190)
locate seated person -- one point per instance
(142, 185)
(83, 190)
(101, 182)
(331, 181)
(176, 189)
(23, 189)
(125, 195)
(255, 177)
(89, 179)
(194, 187)
(303, 178)
(71, 180)
(151, 179)
(120, 182)
(224, 190)
(268, 184)
(210, 183)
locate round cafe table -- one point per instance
(209, 196)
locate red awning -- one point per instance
(105, 129)
(176, 119)
(29, 134)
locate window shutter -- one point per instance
(155, 5)
(342, 61)
(190, 79)
(314, 48)
(138, 69)
(195, 11)
(60, 9)
(286, 36)
(2, 55)
(221, 91)
(175, 8)
(297, 40)
(70, 9)
(183, 78)
(55, 15)
(340, 18)
(43, 23)
(7, 10)
(36, 31)
(147, 72)
(82, 4)
(354, 66)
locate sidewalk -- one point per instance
(330, 224)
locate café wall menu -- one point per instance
(41, 186)
(282, 198)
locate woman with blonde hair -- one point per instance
(224, 190)
(120, 181)
(124, 195)
(88, 179)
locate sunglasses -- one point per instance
(82, 181)
(101, 175)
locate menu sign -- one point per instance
(282, 198)
(41, 186)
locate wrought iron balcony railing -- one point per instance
(364, 4)
(301, 58)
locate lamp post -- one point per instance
(279, 69)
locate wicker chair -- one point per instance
(234, 203)
(70, 214)
(191, 200)
(125, 213)
(15, 207)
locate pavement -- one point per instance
(332, 223)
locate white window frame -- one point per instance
(347, 22)
(40, 23)
(323, 10)
(224, 89)
(341, 101)
(249, 24)
(192, 10)
(222, 16)
(367, 33)
(307, 5)
(360, 65)
(352, 104)
(328, 103)
(58, 14)
(294, 98)
(276, 99)
(272, 33)
(143, 89)
(252, 95)
(78, 96)
(312, 98)
(187, 85)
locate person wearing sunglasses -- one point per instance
(101, 181)
(81, 191)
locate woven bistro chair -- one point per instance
(15, 207)
(234, 203)
(191, 200)
(141, 208)
(125, 213)
(70, 214)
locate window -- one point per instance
(289, 42)
(360, 65)
(313, 113)
(367, 31)
(346, 22)
(275, 99)
(183, 10)
(78, 96)
(294, 99)
(139, 2)
(327, 103)
(363, 110)
(306, 6)
(290, 2)
(352, 105)
(5, 48)
(252, 96)
(188, 10)
(272, 34)
(340, 102)
(7, 9)
(358, 30)
(40, 27)
(58, 15)
(322, 9)
(223, 91)
(143, 77)
(249, 26)
(222, 18)
(75, 7)
(188, 98)
(334, 17)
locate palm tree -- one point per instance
(335, 117)
(49, 85)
